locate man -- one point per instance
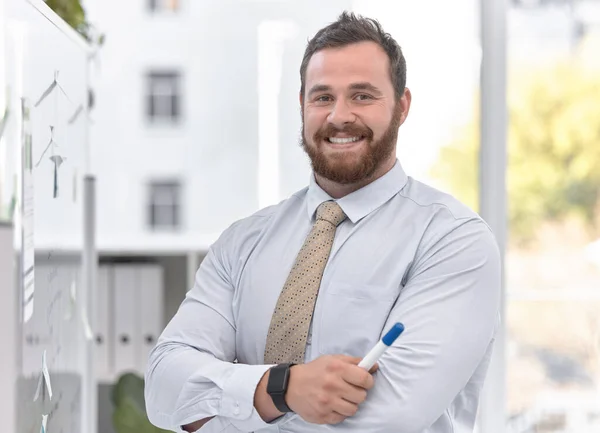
(288, 300)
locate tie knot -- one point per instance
(332, 212)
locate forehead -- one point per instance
(364, 61)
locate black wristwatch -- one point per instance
(279, 377)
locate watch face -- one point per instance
(277, 379)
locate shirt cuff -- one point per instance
(237, 401)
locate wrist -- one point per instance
(263, 402)
(277, 386)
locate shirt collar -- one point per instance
(362, 202)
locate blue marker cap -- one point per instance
(389, 338)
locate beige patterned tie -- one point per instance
(291, 319)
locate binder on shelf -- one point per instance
(126, 308)
(102, 319)
(151, 300)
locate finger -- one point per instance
(334, 418)
(344, 407)
(353, 393)
(374, 368)
(357, 376)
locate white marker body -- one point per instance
(371, 358)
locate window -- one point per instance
(164, 96)
(552, 263)
(164, 5)
(164, 205)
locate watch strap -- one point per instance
(277, 385)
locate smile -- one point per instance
(336, 140)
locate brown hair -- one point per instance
(350, 29)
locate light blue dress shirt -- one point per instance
(406, 253)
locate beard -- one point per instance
(344, 167)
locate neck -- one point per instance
(337, 190)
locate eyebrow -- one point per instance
(318, 88)
(355, 86)
(366, 86)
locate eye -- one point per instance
(363, 97)
(323, 98)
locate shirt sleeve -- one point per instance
(450, 308)
(191, 373)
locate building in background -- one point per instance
(182, 86)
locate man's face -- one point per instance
(350, 117)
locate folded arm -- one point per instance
(450, 307)
(191, 373)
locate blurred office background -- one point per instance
(196, 121)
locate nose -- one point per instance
(341, 115)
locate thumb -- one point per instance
(349, 359)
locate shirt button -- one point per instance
(236, 410)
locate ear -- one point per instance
(404, 102)
(301, 98)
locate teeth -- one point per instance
(343, 140)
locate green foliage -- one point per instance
(73, 13)
(554, 151)
(69, 10)
(130, 408)
(457, 165)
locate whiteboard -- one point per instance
(46, 85)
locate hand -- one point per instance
(329, 389)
